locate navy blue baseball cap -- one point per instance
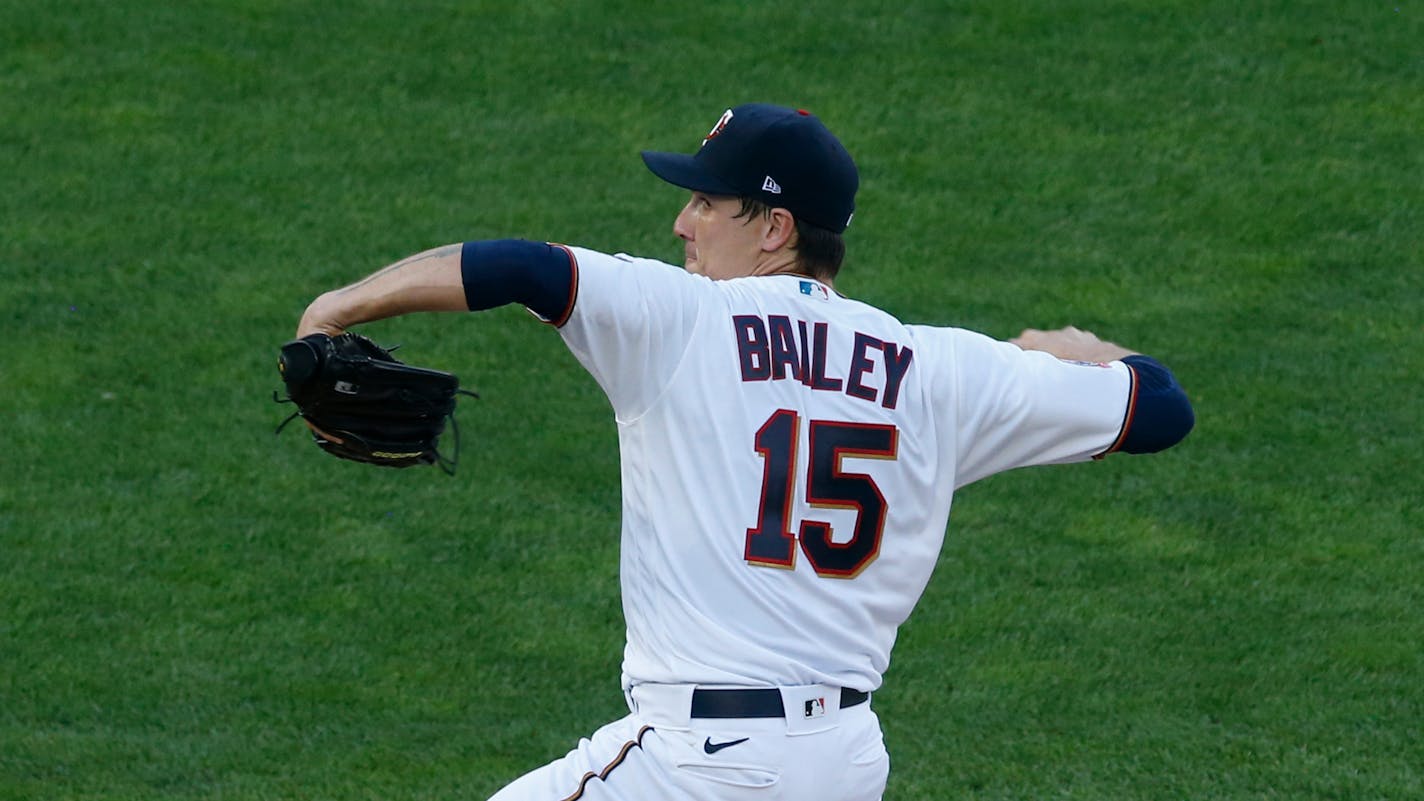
(784, 157)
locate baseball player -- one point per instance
(789, 456)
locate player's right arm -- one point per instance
(1054, 397)
(469, 276)
(1158, 415)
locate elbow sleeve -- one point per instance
(536, 274)
(1159, 414)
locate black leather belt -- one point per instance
(760, 703)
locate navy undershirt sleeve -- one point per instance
(1159, 415)
(536, 274)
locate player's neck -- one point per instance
(784, 262)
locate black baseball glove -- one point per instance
(367, 406)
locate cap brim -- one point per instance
(687, 172)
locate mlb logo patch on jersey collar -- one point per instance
(815, 290)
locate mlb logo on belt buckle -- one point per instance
(815, 707)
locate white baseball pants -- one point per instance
(818, 752)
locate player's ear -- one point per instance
(780, 230)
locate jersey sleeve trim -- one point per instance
(1128, 415)
(562, 319)
(1159, 415)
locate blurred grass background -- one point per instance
(191, 608)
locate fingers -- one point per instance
(1033, 338)
(320, 319)
(1070, 343)
(1067, 330)
(1066, 343)
(1026, 338)
(308, 328)
(323, 434)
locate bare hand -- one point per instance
(1071, 343)
(323, 434)
(319, 320)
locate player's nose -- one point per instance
(682, 226)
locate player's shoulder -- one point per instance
(626, 270)
(589, 257)
(632, 278)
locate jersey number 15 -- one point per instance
(771, 543)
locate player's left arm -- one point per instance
(426, 281)
(1158, 414)
(469, 276)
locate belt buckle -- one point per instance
(811, 708)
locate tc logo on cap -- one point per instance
(716, 129)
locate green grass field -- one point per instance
(191, 608)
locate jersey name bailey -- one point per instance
(778, 348)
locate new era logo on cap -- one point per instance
(770, 186)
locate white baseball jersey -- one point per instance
(788, 460)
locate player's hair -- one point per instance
(819, 251)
